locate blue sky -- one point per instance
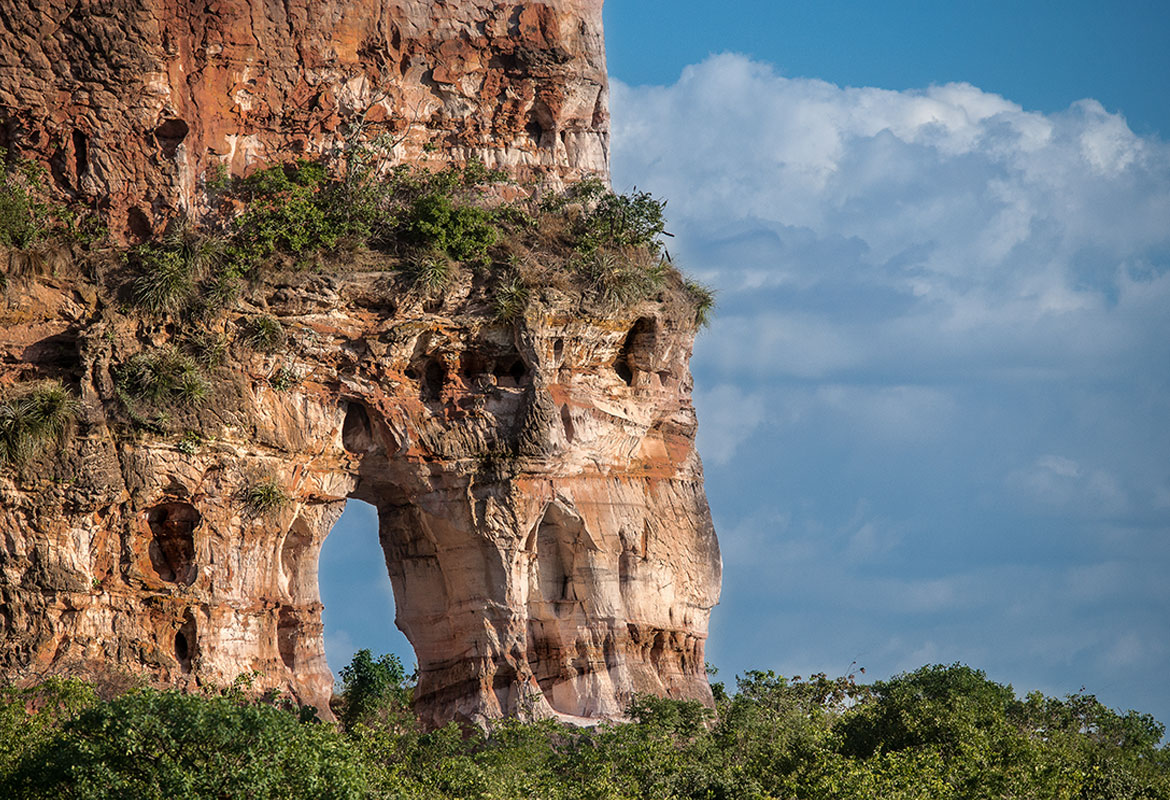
(934, 402)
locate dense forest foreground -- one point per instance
(938, 732)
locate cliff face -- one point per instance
(539, 496)
(132, 102)
(540, 500)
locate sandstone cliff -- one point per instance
(539, 496)
(131, 102)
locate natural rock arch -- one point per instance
(505, 498)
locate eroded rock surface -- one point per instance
(539, 497)
(132, 103)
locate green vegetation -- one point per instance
(622, 221)
(170, 269)
(703, 298)
(161, 377)
(264, 333)
(25, 217)
(510, 300)
(151, 744)
(189, 443)
(207, 348)
(29, 215)
(264, 497)
(940, 733)
(429, 273)
(284, 378)
(33, 415)
(431, 225)
(372, 690)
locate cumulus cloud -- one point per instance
(870, 218)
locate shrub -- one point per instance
(32, 416)
(623, 279)
(265, 497)
(24, 216)
(703, 298)
(162, 377)
(169, 269)
(622, 220)
(510, 299)
(436, 221)
(264, 333)
(585, 192)
(429, 273)
(153, 744)
(208, 349)
(369, 685)
(288, 210)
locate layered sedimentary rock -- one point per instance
(539, 497)
(133, 103)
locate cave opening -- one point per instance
(172, 543)
(637, 350)
(356, 591)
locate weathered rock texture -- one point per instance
(540, 499)
(539, 496)
(131, 102)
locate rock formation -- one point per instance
(539, 496)
(132, 102)
(540, 500)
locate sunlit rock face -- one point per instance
(539, 496)
(540, 499)
(133, 103)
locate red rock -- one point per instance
(133, 100)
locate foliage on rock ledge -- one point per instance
(941, 732)
(31, 416)
(428, 225)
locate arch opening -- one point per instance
(354, 582)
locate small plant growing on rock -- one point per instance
(265, 334)
(284, 378)
(623, 279)
(164, 377)
(169, 269)
(430, 273)
(265, 497)
(190, 443)
(510, 299)
(208, 349)
(31, 416)
(703, 298)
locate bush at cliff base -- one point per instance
(939, 732)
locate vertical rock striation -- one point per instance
(133, 103)
(539, 497)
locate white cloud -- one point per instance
(903, 226)
(955, 308)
